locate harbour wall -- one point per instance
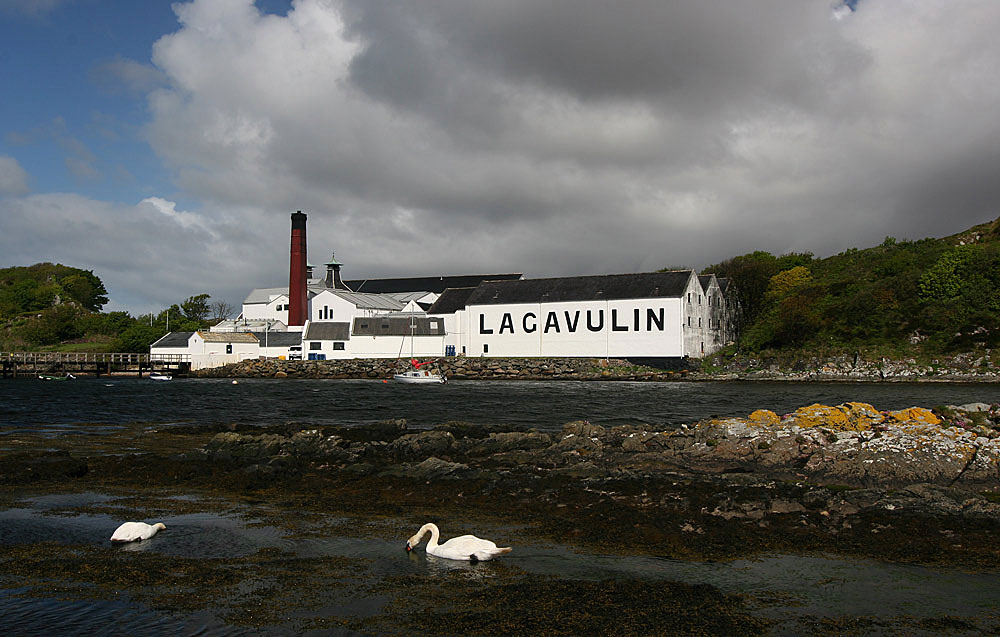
(454, 367)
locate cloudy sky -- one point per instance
(164, 144)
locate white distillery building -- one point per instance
(645, 315)
(206, 349)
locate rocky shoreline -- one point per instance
(833, 473)
(977, 368)
(827, 467)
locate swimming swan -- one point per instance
(132, 531)
(465, 547)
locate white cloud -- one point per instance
(13, 178)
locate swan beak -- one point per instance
(408, 547)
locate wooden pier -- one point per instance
(18, 364)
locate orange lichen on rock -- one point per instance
(764, 418)
(915, 414)
(861, 415)
(817, 415)
(846, 417)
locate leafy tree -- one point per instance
(196, 308)
(944, 280)
(53, 325)
(85, 288)
(138, 337)
(785, 282)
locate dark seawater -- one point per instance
(96, 404)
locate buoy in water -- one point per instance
(235, 382)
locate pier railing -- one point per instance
(26, 363)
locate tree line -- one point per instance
(932, 295)
(54, 306)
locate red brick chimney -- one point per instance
(298, 299)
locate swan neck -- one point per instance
(435, 534)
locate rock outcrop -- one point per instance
(853, 444)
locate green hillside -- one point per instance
(927, 295)
(57, 307)
(43, 285)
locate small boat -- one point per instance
(159, 376)
(50, 377)
(419, 376)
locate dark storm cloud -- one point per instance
(691, 56)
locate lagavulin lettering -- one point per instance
(570, 322)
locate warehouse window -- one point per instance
(315, 345)
(338, 345)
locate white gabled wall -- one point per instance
(633, 327)
(275, 310)
(327, 306)
(376, 347)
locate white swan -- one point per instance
(465, 547)
(132, 531)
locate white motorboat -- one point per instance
(418, 376)
(159, 376)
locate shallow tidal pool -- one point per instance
(224, 569)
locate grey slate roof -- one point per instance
(405, 297)
(279, 339)
(398, 326)
(370, 301)
(705, 280)
(328, 331)
(644, 285)
(173, 339)
(451, 300)
(436, 284)
(263, 295)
